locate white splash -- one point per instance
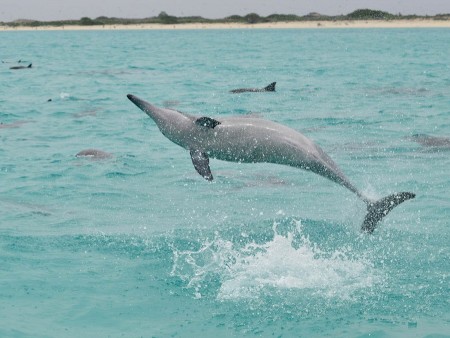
(276, 265)
(64, 95)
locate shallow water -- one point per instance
(140, 245)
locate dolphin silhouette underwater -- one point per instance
(431, 141)
(269, 88)
(253, 140)
(95, 154)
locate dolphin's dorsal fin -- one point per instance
(29, 66)
(207, 122)
(201, 164)
(271, 87)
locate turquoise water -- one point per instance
(139, 245)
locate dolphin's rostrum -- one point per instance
(253, 140)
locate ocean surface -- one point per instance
(139, 245)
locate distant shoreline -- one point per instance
(410, 23)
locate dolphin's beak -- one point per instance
(134, 99)
(140, 103)
(151, 110)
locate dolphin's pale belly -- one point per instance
(253, 150)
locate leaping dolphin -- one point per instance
(253, 140)
(269, 88)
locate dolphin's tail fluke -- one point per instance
(378, 209)
(271, 87)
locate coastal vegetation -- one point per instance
(251, 18)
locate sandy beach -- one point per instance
(417, 23)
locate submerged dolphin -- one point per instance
(95, 154)
(269, 88)
(21, 67)
(252, 140)
(431, 141)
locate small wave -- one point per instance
(119, 174)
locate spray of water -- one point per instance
(286, 262)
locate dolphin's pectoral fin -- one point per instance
(377, 210)
(201, 164)
(207, 122)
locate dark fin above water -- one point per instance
(207, 122)
(271, 87)
(21, 67)
(201, 164)
(377, 210)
